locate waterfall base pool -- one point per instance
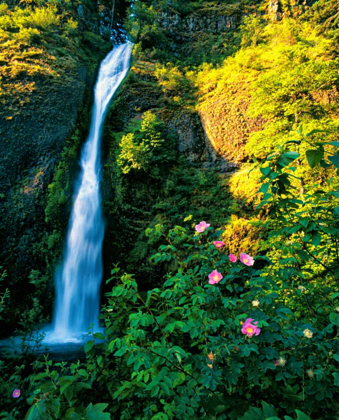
(68, 351)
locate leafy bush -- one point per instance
(242, 235)
(143, 147)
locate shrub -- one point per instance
(242, 235)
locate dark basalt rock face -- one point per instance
(211, 22)
(190, 135)
(37, 133)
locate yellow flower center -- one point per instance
(249, 330)
(216, 277)
(245, 260)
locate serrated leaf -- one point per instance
(96, 412)
(253, 414)
(268, 409)
(44, 409)
(301, 415)
(69, 391)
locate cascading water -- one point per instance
(78, 281)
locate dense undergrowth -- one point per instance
(200, 329)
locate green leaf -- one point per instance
(316, 131)
(314, 157)
(264, 188)
(253, 414)
(316, 239)
(96, 412)
(336, 378)
(120, 352)
(324, 164)
(69, 392)
(65, 385)
(286, 158)
(293, 142)
(165, 388)
(332, 143)
(284, 312)
(265, 171)
(71, 414)
(41, 375)
(88, 346)
(335, 160)
(268, 409)
(44, 409)
(334, 318)
(301, 415)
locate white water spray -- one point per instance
(78, 282)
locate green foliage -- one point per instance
(178, 350)
(59, 191)
(251, 31)
(4, 296)
(173, 346)
(266, 91)
(242, 235)
(38, 42)
(142, 147)
(58, 388)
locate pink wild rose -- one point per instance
(214, 277)
(202, 226)
(232, 257)
(246, 259)
(16, 393)
(218, 244)
(250, 329)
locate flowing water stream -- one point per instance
(78, 280)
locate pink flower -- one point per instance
(250, 329)
(202, 226)
(16, 393)
(214, 277)
(218, 244)
(232, 257)
(246, 259)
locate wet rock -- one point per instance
(191, 139)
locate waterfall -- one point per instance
(78, 281)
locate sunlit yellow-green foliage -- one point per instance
(176, 83)
(287, 77)
(37, 43)
(244, 185)
(139, 148)
(242, 235)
